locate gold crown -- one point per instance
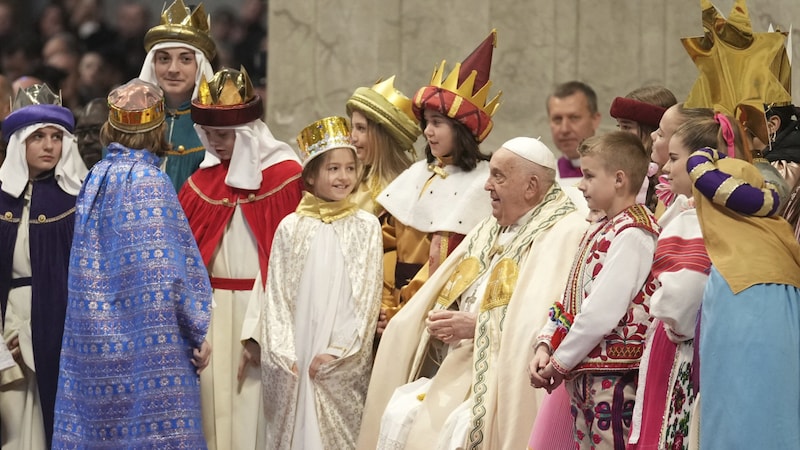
(466, 88)
(323, 135)
(37, 94)
(729, 48)
(136, 107)
(179, 24)
(227, 87)
(227, 100)
(398, 99)
(389, 107)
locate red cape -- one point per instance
(209, 204)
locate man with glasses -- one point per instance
(89, 121)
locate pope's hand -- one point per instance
(451, 326)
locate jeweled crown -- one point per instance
(323, 135)
(180, 24)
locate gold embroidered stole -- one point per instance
(500, 288)
(482, 249)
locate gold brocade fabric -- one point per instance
(328, 212)
(340, 386)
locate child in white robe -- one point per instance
(321, 303)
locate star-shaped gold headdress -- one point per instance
(740, 70)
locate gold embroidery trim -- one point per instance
(444, 244)
(250, 197)
(52, 219)
(501, 285)
(465, 274)
(185, 151)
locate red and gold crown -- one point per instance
(463, 94)
(740, 70)
(227, 100)
(179, 24)
(136, 107)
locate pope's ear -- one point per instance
(533, 185)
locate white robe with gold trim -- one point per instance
(507, 404)
(322, 296)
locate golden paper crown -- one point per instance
(384, 104)
(136, 107)
(740, 70)
(227, 100)
(37, 94)
(323, 135)
(227, 87)
(179, 24)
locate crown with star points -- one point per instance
(384, 104)
(740, 70)
(227, 100)
(37, 104)
(463, 94)
(180, 24)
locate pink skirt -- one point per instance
(553, 428)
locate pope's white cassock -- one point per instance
(481, 396)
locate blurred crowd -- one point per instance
(84, 51)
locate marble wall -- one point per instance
(322, 50)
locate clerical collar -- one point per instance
(315, 207)
(520, 222)
(576, 163)
(506, 233)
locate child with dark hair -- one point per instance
(436, 202)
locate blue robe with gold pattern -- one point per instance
(139, 302)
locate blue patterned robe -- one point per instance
(139, 302)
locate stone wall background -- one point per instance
(322, 50)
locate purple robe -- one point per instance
(52, 220)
